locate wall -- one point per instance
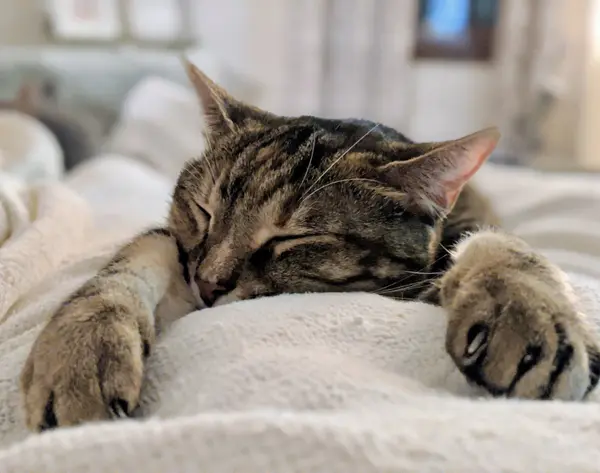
(222, 28)
(451, 99)
(431, 99)
(21, 22)
(427, 100)
(589, 149)
(562, 76)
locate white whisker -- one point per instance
(406, 287)
(337, 182)
(425, 273)
(390, 287)
(444, 248)
(338, 159)
(386, 286)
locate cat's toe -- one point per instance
(524, 342)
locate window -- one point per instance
(456, 29)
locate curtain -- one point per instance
(541, 46)
(355, 58)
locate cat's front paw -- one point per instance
(86, 364)
(515, 331)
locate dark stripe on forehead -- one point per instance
(295, 139)
(291, 152)
(265, 192)
(310, 164)
(244, 152)
(235, 187)
(355, 128)
(293, 173)
(287, 207)
(294, 142)
(254, 139)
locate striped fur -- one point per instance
(279, 204)
(279, 223)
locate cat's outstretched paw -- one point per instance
(87, 363)
(514, 328)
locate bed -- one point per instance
(293, 383)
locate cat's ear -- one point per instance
(222, 112)
(434, 179)
(218, 106)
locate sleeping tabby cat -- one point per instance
(306, 204)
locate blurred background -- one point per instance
(434, 69)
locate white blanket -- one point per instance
(295, 383)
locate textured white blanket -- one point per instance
(323, 383)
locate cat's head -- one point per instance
(279, 204)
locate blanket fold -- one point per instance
(41, 226)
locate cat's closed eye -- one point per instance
(292, 237)
(283, 243)
(204, 211)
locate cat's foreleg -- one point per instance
(88, 361)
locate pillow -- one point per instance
(29, 150)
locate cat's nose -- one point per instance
(209, 292)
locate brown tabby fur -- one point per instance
(305, 204)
